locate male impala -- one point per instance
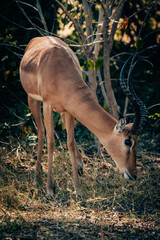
(50, 73)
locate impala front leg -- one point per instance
(77, 165)
(48, 120)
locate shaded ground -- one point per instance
(109, 206)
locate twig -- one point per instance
(33, 24)
(16, 24)
(29, 5)
(155, 1)
(88, 19)
(13, 112)
(157, 30)
(120, 54)
(29, 29)
(4, 143)
(17, 54)
(155, 105)
(104, 8)
(77, 26)
(12, 45)
(102, 87)
(17, 124)
(15, 95)
(144, 21)
(85, 45)
(117, 15)
(98, 34)
(148, 48)
(41, 15)
(53, 24)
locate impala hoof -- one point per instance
(50, 192)
(129, 177)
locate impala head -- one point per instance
(122, 147)
(122, 144)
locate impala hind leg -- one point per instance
(48, 120)
(35, 107)
(77, 165)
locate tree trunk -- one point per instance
(113, 107)
(93, 83)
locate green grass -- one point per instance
(109, 207)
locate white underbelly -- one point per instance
(36, 97)
(39, 98)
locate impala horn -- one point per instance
(141, 112)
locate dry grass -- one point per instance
(109, 208)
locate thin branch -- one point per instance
(16, 24)
(120, 4)
(148, 48)
(13, 112)
(102, 2)
(85, 72)
(157, 30)
(33, 24)
(15, 53)
(36, 27)
(12, 45)
(75, 10)
(99, 33)
(85, 45)
(14, 95)
(119, 54)
(155, 105)
(17, 124)
(5, 144)
(41, 15)
(29, 5)
(88, 19)
(144, 21)
(111, 8)
(155, 1)
(117, 15)
(53, 24)
(30, 29)
(102, 87)
(77, 26)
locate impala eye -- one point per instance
(128, 142)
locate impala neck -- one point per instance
(91, 114)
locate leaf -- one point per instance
(15, 73)
(99, 63)
(139, 43)
(7, 72)
(90, 64)
(125, 23)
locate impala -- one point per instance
(50, 73)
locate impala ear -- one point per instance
(120, 125)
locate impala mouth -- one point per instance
(127, 176)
